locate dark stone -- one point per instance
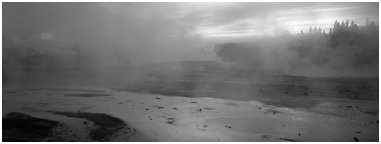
(355, 138)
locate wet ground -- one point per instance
(195, 106)
(126, 116)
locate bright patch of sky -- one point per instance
(258, 19)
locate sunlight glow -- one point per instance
(276, 22)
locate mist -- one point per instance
(100, 72)
(77, 35)
(347, 50)
(142, 33)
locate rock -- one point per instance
(158, 107)
(171, 120)
(355, 138)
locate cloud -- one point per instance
(47, 36)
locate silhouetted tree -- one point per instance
(358, 45)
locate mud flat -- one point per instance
(106, 125)
(127, 116)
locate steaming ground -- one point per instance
(191, 101)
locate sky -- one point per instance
(153, 32)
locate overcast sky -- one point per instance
(168, 30)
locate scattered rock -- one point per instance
(355, 138)
(299, 134)
(171, 120)
(349, 106)
(199, 110)
(273, 111)
(174, 108)
(158, 107)
(205, 126)
(287, 139)
(106, 124)
(358, 132)
(147, 108)
(228, 126)
(158, 98)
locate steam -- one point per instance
(70, 37)
(348, 50)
